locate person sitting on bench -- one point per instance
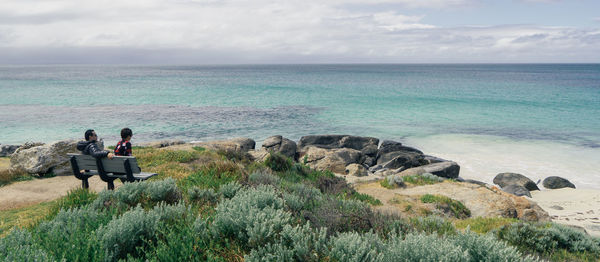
(123, 148)
(89, 147)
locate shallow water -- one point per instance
(539, 120)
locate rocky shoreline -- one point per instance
(359, 160)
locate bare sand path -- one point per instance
(25, 193)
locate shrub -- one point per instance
(333, 185)
(299, 243)
(236, 156)
(278, 162)
(339, 215)
(547, 238)
(75, 198)
(8, 176)
(447, 204)
(483, 224)
(230, 189)
(386, 184)
(421, 247)
(433, 224)
(164, 190)
(19, 246)
(260, 178)
(423, 179)
(147, 193)
(252, 216)
(486, 248)
(203, 195)
(151, 157)
(356, 247)
(213, 174)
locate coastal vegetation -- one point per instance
(221, 206)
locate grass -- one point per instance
(423, 179)
(447, 204)
(483, 225)
(385, 183)
(24, 216)
(9, 176)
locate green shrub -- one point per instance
(483, 225)
(252, 216)
(547, 238)
(447, 204)
(299, 243)
(352, 246)
(150, 157)
(146, 193)
(163, 190)
(486, 248)
(75, 198)
(261, 178)
(386, 184)
(339, 215)
(19, 246)
(422, 247)
(8, 176)
(236, 156)
(433, 224)
(213, 175)
(203, 195)
(278, 162)
(423, 179)
(230, 189)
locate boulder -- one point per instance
(335, 160)
(47, 158)
(163, 143)
(516, 190)
(240, 144)
(432, 159)
(7, 150)
(446, 169)
(281, 145)
(505, 179)
(402, 160)
(387, 147)
(555, 182)
(259, 155)
(339, 141)
(483, 201)
(356, 170)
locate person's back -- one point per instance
(89, 147)
(123, 148)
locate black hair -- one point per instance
(125, 132)
(88, 133)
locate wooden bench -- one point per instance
(124, 168)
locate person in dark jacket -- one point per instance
(89, 147)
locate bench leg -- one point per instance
(111, 185)
(85, 184)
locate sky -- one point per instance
(298, 31)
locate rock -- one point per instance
(335, 160)
(31, 144)
(415, 171)
(46, 158)
(516, 190)
(240, 144)
(446, 169)
(375, 168)
(433, 159)
(388, 147)
(7, 150)
(281, 145)
(259, 155)
(338, 141)
(483, 201)
(557, 207)
(163, 143)
(505, 179)
(476, 182)
(370, 150)
(555, 182)
(368, 161)
(356, 170)
(402, 160)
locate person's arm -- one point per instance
(128, 150)
(97, 153)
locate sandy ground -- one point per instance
(578, 207)
(35, 191)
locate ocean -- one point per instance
(539, 120)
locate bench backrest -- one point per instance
(115, 165)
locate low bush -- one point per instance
(487, 248)
(339, 215)
(151, 157)
(423, 179)
(229, 190)
(75, 198)
(299, 243)
(483, 225)
(146, 193)
(433, 224)
(264, 178)
(278, 162)
(213, 175)
(447, 204)
(352, 246)
(422, 247)
(236, 156)
(203, 195)
(19, 246)
(8, 176)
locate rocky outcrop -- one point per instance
(505, 179)
(240, 144)
(483, 201)
(516, 190)
(555, 182)
(259, 155)
(280, 145)
(446, 169)
(339, 141)
(356, 170)
(44, 159)
(335, 160)
(163, 143)
(7, 150)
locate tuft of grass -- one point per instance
(171, 169)
(213, 175)
(422, 179)
(8, 176)
(363, 198)
(151, 157)
(445, 203)
(483, 225)
(75, 198)
(199, 148)
(385, 183)
(236, 156)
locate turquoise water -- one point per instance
(539, 103)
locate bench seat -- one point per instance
(124, 168)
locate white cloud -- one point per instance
(267, 30)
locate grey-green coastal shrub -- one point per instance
(70, 235)
(19, 246)
(487, 248)
(253, 216)
(355, 247)
(340, 215)
(264, 178)
(298, 243)
(204, 195)
(230, 189)
(163, 190)
(433, 224)
(309, 195)
(278, 162)
(424, 247)
(147, 193)
(547, 238)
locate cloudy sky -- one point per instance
(298, 31)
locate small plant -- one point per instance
(20, 246)
(75, 198)
(483, 225)
(423, 179)
(386, 183)
(236, 156)
(263, 178)
(230, 189)
(203, 195)
(433, 224)
(447, 204)
(199, 148)
(8, 176)
(278, 162)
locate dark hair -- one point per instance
(125, 132)
(88, 133)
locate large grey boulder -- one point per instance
(7, 150)
(281, 145)
(555, 182)
(356, 170)
(446, 169)
(340, 141)
(47, 158)
(403, 160)
(335, 159)
(395, 151)
(516, 190)
(505, 179)
(240, 144)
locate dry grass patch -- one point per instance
(24, 216)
